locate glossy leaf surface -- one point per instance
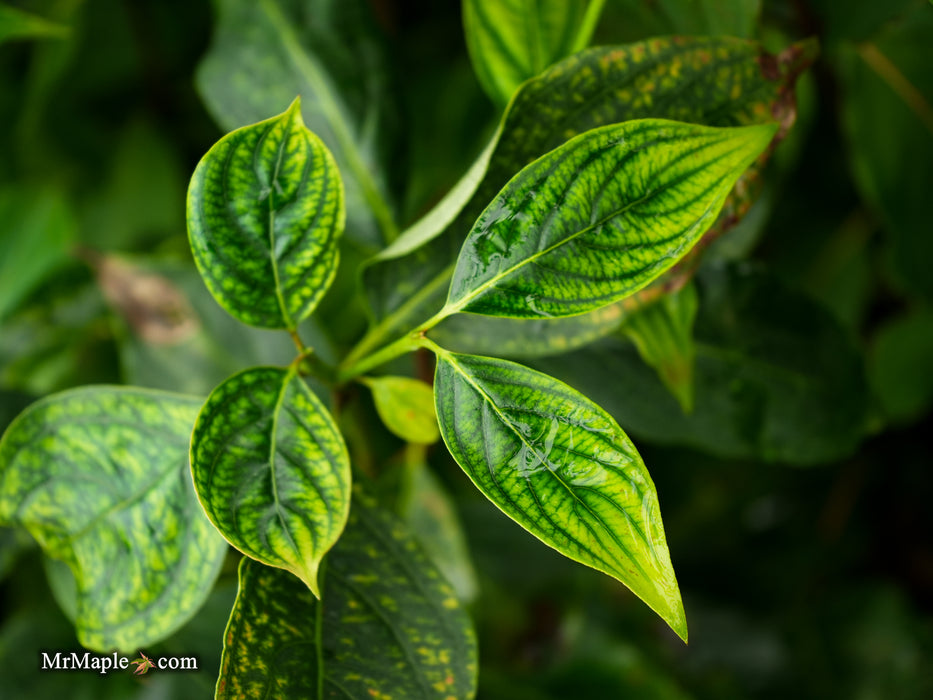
(776, 377)
(717, 82)
(264, 52)
(599, 218)
(561, 467)
(265, 209)
(663, 334)
(387, 626)
(99, 476)
(406, 406)
(272, 470)
(512, 40)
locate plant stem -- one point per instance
(296, 339)
(588, 26)
(406, 343)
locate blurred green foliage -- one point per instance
(814, 346)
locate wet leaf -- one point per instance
(387, 626)
(406, 406)
(599, 218)
(265, 209)
(561, 467)
(264, 52)
(776, 377)
(99, 476)
(272, 470)
(512, 40)
(712, 81)
(663, 334)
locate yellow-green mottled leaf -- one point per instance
(265, 209)
(272, 470)
(406, 406)
(714, 81)
(663, 334)
(599, 218)
(512, 40)
(99, 476)
(388, 626)
(562, 468)
(16, 24)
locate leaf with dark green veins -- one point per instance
(776, 377)
(264, 52)
(512, 40)
(265, 209)
(663, 334)
(99, 476)
(388, 626)
(713, 81)
(406, 406)
(561, 467)
(272, 470)
(16, 24)
(599, 218)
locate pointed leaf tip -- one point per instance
(272, 470)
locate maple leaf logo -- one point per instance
(144, 664)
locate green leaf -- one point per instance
(776, 377)
(387, 626)
(561, 467)
(527, 337)
(272, 470)
(712, 81)
(663, 334)
(636, 19)
(99, 476)
(406, 406)
(512, 40)
(36, 230)
(899, 365)
(599, 218)
(265, 209)
(264, 52)
(16, 24)
(887, 116)
(429, 511)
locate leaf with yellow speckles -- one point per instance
(562, 468)
(388, 626)
(99, 476)
(663, 334)
(406, 406)
(512, 40)
(272, 470)
(599, 218)
(713, 81)
(265, 209)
